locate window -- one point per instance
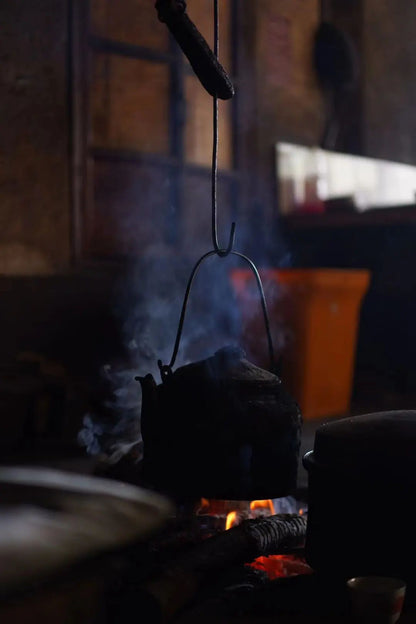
(144, 131)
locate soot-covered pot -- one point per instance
(362, 482)
(220, 428)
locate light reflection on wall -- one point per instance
(307, 177)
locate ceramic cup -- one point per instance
(376, 599)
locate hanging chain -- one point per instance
(166, 369)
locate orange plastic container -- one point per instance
(314, 318)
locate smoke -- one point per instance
(147, 307)
(111, 427)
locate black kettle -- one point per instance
(220, 428)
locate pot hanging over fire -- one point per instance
(220, 428)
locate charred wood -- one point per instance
(166, 593)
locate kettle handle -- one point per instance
(166, 369)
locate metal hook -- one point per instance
(220, 251)
(225, 252)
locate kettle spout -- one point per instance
(148, 386)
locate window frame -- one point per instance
(83, 44)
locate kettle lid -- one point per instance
(228, 364)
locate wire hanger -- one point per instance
(221, 252)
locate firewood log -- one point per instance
(162, 596)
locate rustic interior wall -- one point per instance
(290, 102)
(35, 236)
(378, 116)
(286, 99)
(347, 17)
(390, 79)
(34, 147)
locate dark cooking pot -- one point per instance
(220, 428)
(362, 482)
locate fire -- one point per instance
(231, 520)
(214, 507)
(263, 504)
(256, 508)
(228, 513)
(203, 506)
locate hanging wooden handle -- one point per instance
(206, 66)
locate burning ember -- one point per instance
(278, 566)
